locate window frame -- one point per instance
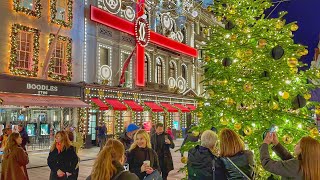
(184, 70)
(172, 69)
(67, 22)
(36, 11)
(159, 71)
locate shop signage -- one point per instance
(12, 84)
(142, 32)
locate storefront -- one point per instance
(118, 107)
(42, 107)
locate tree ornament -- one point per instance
(184, 160)
(265, 74)
(299, 102)
(307, 96)
(237, 126)
(207, 58)
(275, 105)
(239, 54)
(294, 27)
(287, 139)
(219, 18)
(317, 110)
(224, 121)
(249, 52)
(292, 62)
(246, 30)
(305, 52)
(195, 133)
(280, 24)
(226, 62)
(247, 130)
(230, 101)
(232, 10)
(262, 43)
(314, 132)
(233, 37)
(294, 70)
(277, 52)
(229, 25)
(285, 95)
(247, 87)
(240, 22)
(199, 114)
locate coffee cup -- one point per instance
(146, 162)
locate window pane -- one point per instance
(104, 56)
(61, 12)
(27, 4)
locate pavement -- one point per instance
(38, 169)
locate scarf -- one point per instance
(59, 147)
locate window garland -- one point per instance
(53, 12)
(36, 12)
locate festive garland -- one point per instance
(19, 8)
(83, 120)
(53, 11)
(68, 63)
(16, 28)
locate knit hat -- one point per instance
(132, 127)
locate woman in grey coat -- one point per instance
(305, 167)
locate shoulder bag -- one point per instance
(241, 172)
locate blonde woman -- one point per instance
(63, 160)
(305, 167)
(142, 159)
(14, 160)
(109, 163)
(238, 162)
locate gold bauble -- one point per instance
(293, 70)
(219, 18)
(239, 54)
(305, 52)
(239, 22)
(287, 139)
(294, 27)
(292, 62)
(249, 52)
(233, 37)
(279, 24)
(237, 126)
(224, 121)
(200, 103)
(275, 106)
(317, 111)
(307, 96)
(230, 101)
(246, 30)
(207, 58)
(195, 133)
(285, 95)
(247, 87)
(247, 130)
(314, 132)
(184, 160)
(262, 43)
(199, 114)
(232, 11)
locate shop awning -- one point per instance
(34, 100)
(133, 105)
(182, 108)
(117, 105)
(191, 107)
(98, 102)
(154, 107)
(169, 107)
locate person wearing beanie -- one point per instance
(127, 137)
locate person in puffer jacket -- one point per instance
(201, 159)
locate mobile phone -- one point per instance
(272, 129)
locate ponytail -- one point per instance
(103, 167)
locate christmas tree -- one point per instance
(252, 79)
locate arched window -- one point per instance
(146, 68)
(158, 71)
(184, 71)
(172, 69)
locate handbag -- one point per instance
(241, 172)
(155, 175)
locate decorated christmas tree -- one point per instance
(252, 79)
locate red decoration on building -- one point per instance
(142, 32)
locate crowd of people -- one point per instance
(138, 154)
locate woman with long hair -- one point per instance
(14, 159)
(63, 160)
(306, 166)
(237, 161)
(109, 163)
(142, 159)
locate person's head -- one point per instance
(13, 140)
(159, 128)
(141, 139)
(104, 165)
(20, 127)
(308, 152)
(62, 138)
(209, 139)
(131, 130)
(230, 143)
(9, 131)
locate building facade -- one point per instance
(172, 76)
(43, 102)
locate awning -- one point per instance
(169, 107)
(133, 105)
(98, 102)
(154, 107)
(34, 100)
(191, 107)
(182, 108)
(117, 105)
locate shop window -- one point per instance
(60, 67)
(172, 69)
(184, 71)
(29, 7)
(146, 69)
(159, 74)
(61, 12)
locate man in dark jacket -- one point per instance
(127, 137)
(24, 136)
(201, 159)
(162, 142)
(102, 134)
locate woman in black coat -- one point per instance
(63, 160)
(142, 159)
